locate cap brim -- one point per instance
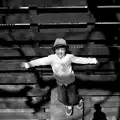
(60, 45)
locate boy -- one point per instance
(60, 62)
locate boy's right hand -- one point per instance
(25, 65)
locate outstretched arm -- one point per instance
(41, 61)
(83, 60)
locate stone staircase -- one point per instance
(19, 92)
(14, 92)
(16, 108)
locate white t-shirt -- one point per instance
(62, 68)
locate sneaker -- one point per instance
(69, 110)
(80, 105)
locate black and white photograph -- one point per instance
(59, 59)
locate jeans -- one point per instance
(68, 95)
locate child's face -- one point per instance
(60, 52)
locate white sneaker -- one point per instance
(80, 105)
(69, 110)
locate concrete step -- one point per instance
(22, 103)
(13, 103)
(106, 98)
(22, 91)
(11, 51)
(16, 111)
(112, 102)
(17, 78)
(12, 87)
(23, 115)
(8, 52)
(11, 65)
(105, 102)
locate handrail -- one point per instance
(54, 9)
(58, 25)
